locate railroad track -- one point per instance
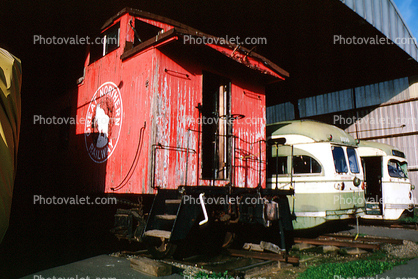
(244, 263)
(411, 226)
(389, 224)
(369, 243)
(239, 263)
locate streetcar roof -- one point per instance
(386, 148)
(317, 131)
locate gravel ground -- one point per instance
(405, 234)
(407, 250)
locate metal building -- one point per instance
(384, 111)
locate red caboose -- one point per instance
(163, 105)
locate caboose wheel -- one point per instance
(160, 248)
(229, 238)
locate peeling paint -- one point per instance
(161, 94)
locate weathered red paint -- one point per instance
(160, 89)
(246, 60)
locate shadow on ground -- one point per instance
(45, 236)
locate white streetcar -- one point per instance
(389, 193)
(320, 162)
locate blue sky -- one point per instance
(409, 12)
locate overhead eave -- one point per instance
(385, 17)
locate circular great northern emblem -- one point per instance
(103, 122)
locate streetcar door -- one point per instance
(372, 167)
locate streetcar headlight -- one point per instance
(356, 181)
(339, 186)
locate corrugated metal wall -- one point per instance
(280, 112)
(385, 112)
(385, 17)
(365, 96)
(327, 103)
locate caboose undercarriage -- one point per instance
(202, 219)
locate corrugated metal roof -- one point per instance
(385, 17)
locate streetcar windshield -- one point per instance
(352, 160)
(340, 162)
(397, 169)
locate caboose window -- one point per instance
(144, 31)
(352, 160)
(305, 164)
(339, 159)
(106, 43)
(111, 39)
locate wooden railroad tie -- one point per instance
(264, 256)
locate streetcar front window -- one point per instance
(397, 169)
(339, 159)
(352, 160)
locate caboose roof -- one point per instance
(233, 51)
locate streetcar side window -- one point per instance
(397, 169)
(352, 160)
(339, 159)
(305, 164)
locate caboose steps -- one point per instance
(158, 233)
(178, 201)
(167, 217)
